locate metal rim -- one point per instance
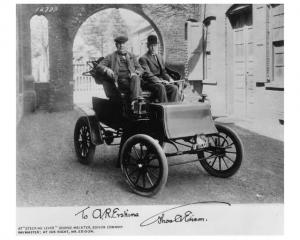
(222, 153)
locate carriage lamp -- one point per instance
(139, 107)
(201, 141)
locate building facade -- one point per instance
(240, 51)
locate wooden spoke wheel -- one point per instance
(224, 155)
(84, 147)
(144, 165)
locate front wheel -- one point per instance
(144, 165)
(84, 148)
(224, 155)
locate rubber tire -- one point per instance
(161, 157)
(240, 153)
(82, 121)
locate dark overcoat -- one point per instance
(153, 69)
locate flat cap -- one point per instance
(121, 39)
(152, 39)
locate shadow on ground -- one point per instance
(48, 173)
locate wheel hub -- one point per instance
(140, 165)
(220, 151)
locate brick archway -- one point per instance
(63, 28)
(65, 20)
(84, 88)
(84, 13)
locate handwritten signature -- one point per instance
(172, 216)
(182, 213)
(99, 213)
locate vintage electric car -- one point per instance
(188, 127)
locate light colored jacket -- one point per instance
(112, 61)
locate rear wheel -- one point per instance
(224, 155)
(84, 148)
(144, 165)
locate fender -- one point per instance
(96, 130)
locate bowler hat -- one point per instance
(121, 39)
(152, 39)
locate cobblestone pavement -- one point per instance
(48, 173)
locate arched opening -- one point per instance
(39, 48)
(94, 39)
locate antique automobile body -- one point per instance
(188, 127)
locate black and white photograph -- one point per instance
(149, 119)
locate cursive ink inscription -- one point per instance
(99, 213)
(177, 215)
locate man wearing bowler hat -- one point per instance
(123, 68)
(155, 76)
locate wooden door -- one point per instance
(243, 64)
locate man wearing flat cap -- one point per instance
(155, 77)
(123, 68)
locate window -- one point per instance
(276, 40)
(39, 48)
(278, 62)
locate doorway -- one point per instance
(243, 72)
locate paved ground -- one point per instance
(48, 173)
